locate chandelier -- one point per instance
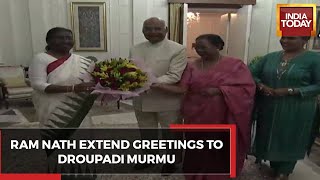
(193, 17)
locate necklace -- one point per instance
(202, 62)
(284, 64)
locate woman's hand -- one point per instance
(281, 92)
(84, 87)
(210, 92)
(273, 92)
(268, 91)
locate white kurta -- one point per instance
(168, 60)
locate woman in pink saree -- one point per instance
(218, 90)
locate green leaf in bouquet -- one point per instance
(113, 63)
(117, 75)
(120, 61)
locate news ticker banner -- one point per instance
(297, 20)
(208, 149)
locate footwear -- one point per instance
(282, 177)
(142, 166)
(168, 169)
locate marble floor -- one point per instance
(307, 169)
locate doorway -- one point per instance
(232, 25)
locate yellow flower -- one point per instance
(139, 71)
(132, 74)
(116, 64)
(125, 86)
(122, 88)
(104, 75)
(104, 68)
(130, 65)
(141, 84)
(143, 78)
(95, 74)
(134, 84)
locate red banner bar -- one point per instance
(233, 143)
(30, 176)
(0, 152)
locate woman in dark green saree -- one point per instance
(288, 83)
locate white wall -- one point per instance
(56, 13)
(25, 23)
(15, 36)
(44, 15)
(143, 9)
(238, 33)
(5, 32)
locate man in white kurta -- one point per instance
(167, 59)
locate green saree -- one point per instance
(285, 124)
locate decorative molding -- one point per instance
(233, 2)
(213, 10)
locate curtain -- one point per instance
(176, 22)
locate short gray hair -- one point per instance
(156, 19)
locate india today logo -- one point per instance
(296, 20)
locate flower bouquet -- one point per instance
(115, 79)
(120, 78)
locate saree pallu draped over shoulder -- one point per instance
(65, 71)
(232, 77)
(56, 110)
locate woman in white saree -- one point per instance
(59, 92)
(55, 76)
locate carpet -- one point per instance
(28, 111)
(10, 117)
(124, 120)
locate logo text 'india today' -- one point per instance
(296, 19)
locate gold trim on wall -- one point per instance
(314, 42)
(103, 35)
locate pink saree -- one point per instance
(234, 106)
